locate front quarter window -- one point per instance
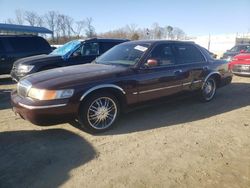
(124, 54)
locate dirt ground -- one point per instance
(179, 144)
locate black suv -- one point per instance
(13, 47)
(72, 53)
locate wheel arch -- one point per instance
(214, 74)
(115, 90)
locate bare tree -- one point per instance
(31, 17)
(178, 34)
(19, 17)
(169, 30)
(80, 25)
(10, 21)
(69, 25)
(50, 19)
(90, 30)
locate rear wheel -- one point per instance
(208, 90)
(99, 112)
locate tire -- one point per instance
(208, 90)
(99, 112)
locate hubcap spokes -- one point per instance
(102, 113)
(209, 89)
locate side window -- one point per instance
(23, 44)
(105, 46)
(89, 49)
(163, 53)
(188, 54)
(1, 47)
(40, 44)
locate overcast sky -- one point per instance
(194, 17)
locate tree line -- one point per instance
(65, 28)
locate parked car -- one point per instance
(72, 53)
(127, 75)
(13, 47)
(240, 64)
(237, 49)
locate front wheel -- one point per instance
(99, 112)
(208, 90)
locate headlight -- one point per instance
(25, 68)
(42, 94)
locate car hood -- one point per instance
(243, 58)
(32, 60)
(72, 76)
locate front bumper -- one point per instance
(241, 69)
(43, 112)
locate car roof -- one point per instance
(159, 41)
(14, 36)
(245, 44)
(103, 40)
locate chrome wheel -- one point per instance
(102, 113)
(209, 89)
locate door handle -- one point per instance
(205, 68)
(176, 72)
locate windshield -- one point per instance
(66, 48)
(124, 54)
(239, 48)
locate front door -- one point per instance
(164, 79)
(85, 54)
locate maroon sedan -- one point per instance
(128, 74)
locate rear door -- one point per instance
(193, 63)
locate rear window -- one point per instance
(24, 44)
(188, 54)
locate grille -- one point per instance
(241, 68)
(23, 87)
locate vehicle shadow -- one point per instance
(41, 158)
(5, 98)
(231, 97)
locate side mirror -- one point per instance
(242, 51)
(77, 53)
(214, 56)
(151, 63)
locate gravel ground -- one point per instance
(179, 144)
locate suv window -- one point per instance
(23, 44)
(1, 47)
(239, 48)
(105, 46)
(88, 49)
(187, 53)
(40, 43)
(163, 53)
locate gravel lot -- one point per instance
(179, 144)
